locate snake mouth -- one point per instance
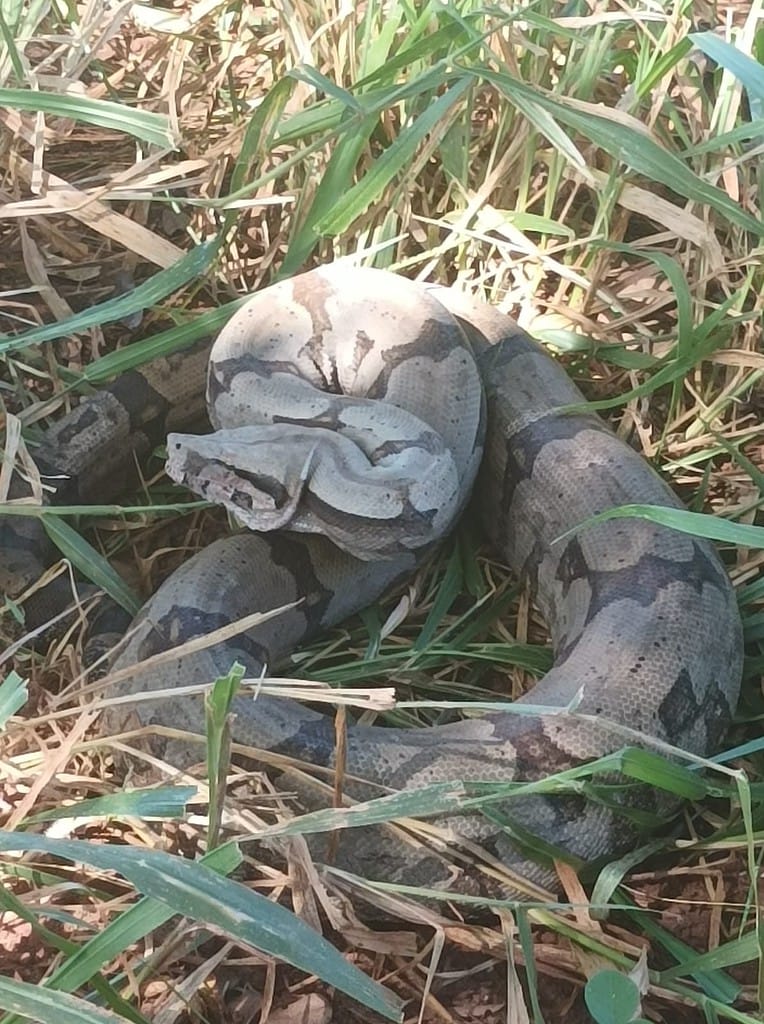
(267, 488)
(246, 491)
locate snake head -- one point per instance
(257, 479)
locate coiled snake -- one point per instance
(351, 410)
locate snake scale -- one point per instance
(352, 411)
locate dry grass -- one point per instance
(535, 156)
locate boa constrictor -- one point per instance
(351, 408)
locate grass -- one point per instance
(592, 168)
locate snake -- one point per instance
(356, 416)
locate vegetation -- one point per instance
(593, 168)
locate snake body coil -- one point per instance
(356, 404)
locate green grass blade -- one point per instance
(746, 132)
(672, 368)
(152, 129)
(378, 33)
(612, 875)
(730, 954)
(13, 696)
(313, 77)
(656, 771)
(391, 163)
(698, 524)
(163, 802)
(336, 181)
(190, 266)
(217, 713)
(257, 142)
(260, 132)
(33, 1002)
(205, 325)
(661, 67)
(747, 70)
(451, 587)
(90, 563)
(525, 936)
(676, 278)
(11, 49)
(48, 512)
(129, 927)
(633, 146)
(432, 51)
(191, 889)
